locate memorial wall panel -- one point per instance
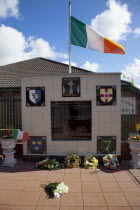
(71, 87)
(71, 120)
(36, 145)
(106, 144)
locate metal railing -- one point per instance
(130, 116)
(11, 118)
(10, 114)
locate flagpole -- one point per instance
(70, 37)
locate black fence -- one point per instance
(11, 118)
(130, 114)
(10, 114)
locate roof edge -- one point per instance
(37, 58)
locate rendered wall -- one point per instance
(106, 120)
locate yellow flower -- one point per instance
(137, 127)
(7, 136)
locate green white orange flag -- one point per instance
(84, 36)
(125, 76)
(21, 135)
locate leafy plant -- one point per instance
(135, 137)
(48, 164)
(6, 136)
(8, 133)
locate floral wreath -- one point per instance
(72, 160)
(90, 161)
(48, 164)
(111, 161)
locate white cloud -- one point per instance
(136, 32)
(87, 65)
(90, 66)
(40, 47)
(113, 23)
(15, 47)
(9, 8)
(138, 86)
(133, 68)
(12, 45)
(72, 63)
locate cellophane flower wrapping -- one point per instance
(111, 161)
(72, 160)
(57, 189)
(90, 161)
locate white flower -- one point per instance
(88, 163)
(56, 194)
(62, 188)
(111, 156)
(106, 164)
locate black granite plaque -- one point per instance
(35, 96)
(71, 87)
(36, 145)
(71, 120)
(106, 144)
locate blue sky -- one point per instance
(39, 28)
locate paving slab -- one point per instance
(21, 187)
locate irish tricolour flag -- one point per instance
(84, 36)
(20, 135)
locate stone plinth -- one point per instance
(8, 145)
(135, 147)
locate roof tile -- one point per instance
(10, 75)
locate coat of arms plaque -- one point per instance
(35, 96)
(106, 95)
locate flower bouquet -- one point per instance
(111, 161)
(48, 164)
(7, 136)
(72, 160)
(7, 133)
(137, 137)
(90, 161)
(57, 189)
